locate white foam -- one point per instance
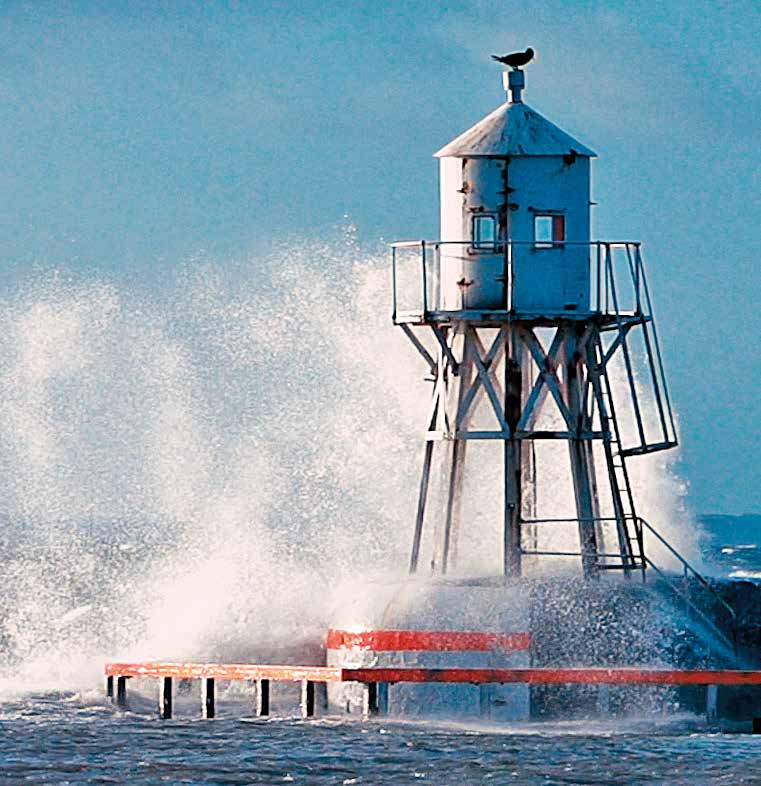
(192, 471)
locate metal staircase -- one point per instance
(720, 620)
(701, 601)
(629, 533)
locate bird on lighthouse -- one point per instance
(515, 59)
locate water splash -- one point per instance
(191, 471)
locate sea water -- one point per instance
(60, 738)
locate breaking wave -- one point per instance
(191, 470)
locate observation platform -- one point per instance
(617, 289)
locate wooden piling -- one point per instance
(370, 700)
(208, 708)
(262, 698)
(307, 699)
(603, 700)
(110, 686)
(712, 700)
(165, 698)
(121, 691)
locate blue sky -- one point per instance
(136, 135)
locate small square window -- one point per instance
(549, 230)
(484, 233)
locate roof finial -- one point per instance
(514, 81)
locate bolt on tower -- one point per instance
(517, 311)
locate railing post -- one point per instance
(425, 279)
(393, 282)
(656, 345)
(599, 277)
(640, 532)
(637, 263)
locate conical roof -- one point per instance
(514, 129)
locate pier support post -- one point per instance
(121, 691)
(307, 699)
(712, 696)
(321, 697)
(603, 700)
(110, 687)
(165, 698)
(262, 698)
(756, 728)
(484, 700)
(207, 697)
(375, 699)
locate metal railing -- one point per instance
(628, 561)
(618, 290)
(725, 629)
(689, 572)
(617, 280)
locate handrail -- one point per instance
(507, 243)
(695, 573)
(688, 569)
(605, 257)
(731, 643)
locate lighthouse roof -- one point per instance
(514, 129)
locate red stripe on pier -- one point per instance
(569, 676)
(542, 676)
(430, 640)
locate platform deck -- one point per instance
(225, 671)
(535, 676)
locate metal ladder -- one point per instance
(627, 523)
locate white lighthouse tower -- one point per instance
(516, 311)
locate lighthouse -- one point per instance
(517, 312)
(532, 335)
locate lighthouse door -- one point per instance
(483, 281)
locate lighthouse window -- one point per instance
(484, 233)
(549, 230)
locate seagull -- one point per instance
(515, 59)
